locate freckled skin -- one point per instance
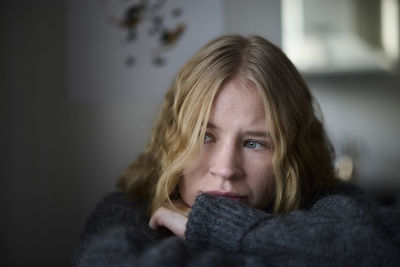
(235, 157)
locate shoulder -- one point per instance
(350, 206)
(342, 195)
(115, 210)
(116, 226)
(342, 201)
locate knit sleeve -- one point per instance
(112, 219)
(337, 229)
(117, 234)
(119, 248)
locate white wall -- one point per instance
(258, 17)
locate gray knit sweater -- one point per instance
(340, 227)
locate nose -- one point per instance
(226, 162)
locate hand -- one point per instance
(172, 220)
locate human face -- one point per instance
(235, 160)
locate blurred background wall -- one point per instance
(65, 136)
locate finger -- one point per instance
(152, 223)
(173, 221)
(155, 220)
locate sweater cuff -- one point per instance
(220, 223)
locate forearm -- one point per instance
(221, 224)
(335, 230)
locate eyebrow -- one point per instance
(210, 125)
(258, 134)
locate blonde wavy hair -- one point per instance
(302, 159)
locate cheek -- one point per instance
(192, 180)
(184, 189)
(190, 184)
(259, 168)
(260, 182)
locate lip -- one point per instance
(228, 195)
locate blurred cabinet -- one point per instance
(325, 36)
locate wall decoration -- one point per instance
(130, 50)
(129, 15)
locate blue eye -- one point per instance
(254, 145)
(207, 138)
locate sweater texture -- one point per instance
(340, 227)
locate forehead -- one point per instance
(238, 99)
